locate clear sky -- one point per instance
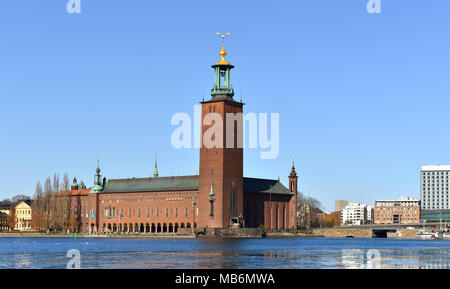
(363, 98)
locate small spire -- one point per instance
(98, 163)
(155, 171)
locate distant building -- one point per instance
(354, 214)
(402, 211)
(333, 219)
(23, 216)
(6, 209)
(370, 214)
(340, 205)
(4, 222)
(434, 193)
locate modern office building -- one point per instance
(405, 210)
(434, 187)
(434, 193)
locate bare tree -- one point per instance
(66, 182)
(12, 217)
(20, 198)
(51, 206)
(37, 206)
(310, 212)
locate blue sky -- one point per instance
(363, 98)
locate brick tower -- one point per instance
(220, 199)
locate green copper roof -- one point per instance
(161, 184)
(254, 185)
(186, 183)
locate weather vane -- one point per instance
(222, 52)
(223, 36)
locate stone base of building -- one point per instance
(230, 232)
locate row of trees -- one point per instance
(51, 205)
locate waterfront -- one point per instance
(286, 253)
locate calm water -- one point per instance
(221, 253)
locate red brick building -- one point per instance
(219, 197)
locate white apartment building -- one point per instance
(354, 214)
(434, 192)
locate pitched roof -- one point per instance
(254, 185)
(5, 207)
(186, 183)
(27, 202)
(160, 184)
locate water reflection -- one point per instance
(226, 254)
(22, 261)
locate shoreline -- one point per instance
(151, 236)
(93, 236)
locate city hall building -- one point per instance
(218, 197)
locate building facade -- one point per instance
(218, 197)
(434, 189)
(23, 216)
(339, 205)
(354, 214)
(402, 211)
(370, 214)
(4, 222)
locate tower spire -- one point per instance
(222, 84)
(98, 184)
(97, 175)
(155, 171)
